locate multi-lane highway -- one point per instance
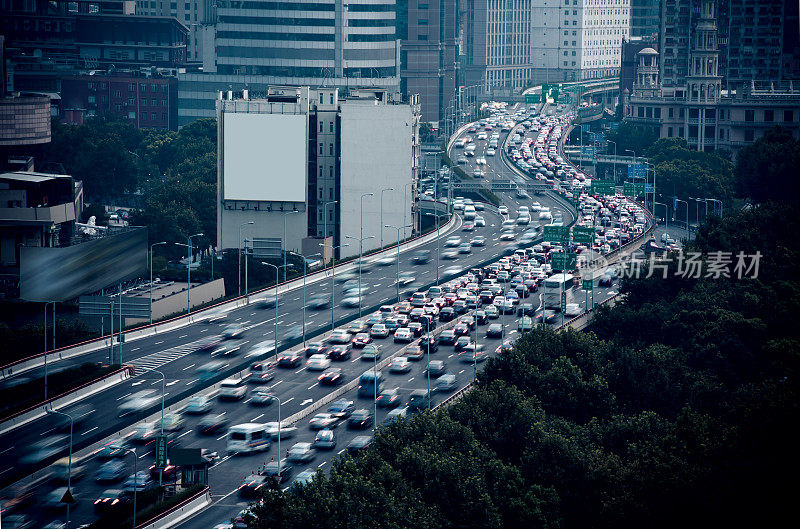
(174, 354)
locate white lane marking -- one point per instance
(275, 384)
(87, 431)
(159, 343)
(321, 464)
(287, 401)
(183, 336)
(172, 383)
(184, 433)
(222, 437)
(410, 379)
(460, 371)
(135, 349)
(340, 451)
(313, 385)
(125, 395)
(257, 418)
(189, 366)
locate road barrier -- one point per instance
(180, 512)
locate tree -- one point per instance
(767, 169)
(631, 136)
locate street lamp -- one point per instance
(634, 155)
(333, 275)
(615, 159)
(135, 480)
(276, 267)
(398, 228)
(405, 205)
(360, 261)
(714, 200)
(54, 339)
(275, 397)
(283, 241)
(188, 271)
(381, 221)
(325, 217)
(687, 213)
(305, 273)
(666, 214)
(151, 276)
(361, 225)
(428, 344)
(69, 463)
(163, 390)
(239, 283)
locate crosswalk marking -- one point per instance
(156, 360)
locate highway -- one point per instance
(173, 353)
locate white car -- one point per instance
(318, 362)
(507, 236)
(452, 242)
(479, 222)
(490, 152)
(572, 310)
(232, 331)
(339, 336)
(503, 210)
(400, 364)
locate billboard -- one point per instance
(264, 157)
(60, 274)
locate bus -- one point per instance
(553, 288)
(366, 384)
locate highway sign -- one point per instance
(161, 451)
(583, 234)
(586, 127)
(589, 150)
(132, 306)
(559, 234)
(587, 284)
(533, 98)
(564, 261)
(602, 187)
(563, 302)
(630, 189)
(266, 247)
(638, 170)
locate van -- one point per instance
(232, 388)
(367, 383)
(386, 310)
(248, 437)
(419, 399)
(469, 212)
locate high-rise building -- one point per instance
(196, 15)
(578, 39)
(300, 160)
(644, 18)
(428, 53)
(301, 43)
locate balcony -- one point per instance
(45, 215)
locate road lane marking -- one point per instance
(287, 401)
(125, 395)
(257, 418)
(222, 437)
(86, 432)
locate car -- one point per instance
(480, 222)
(361, 339)
(323, 420)
(357, 326)
(549, 316)
(525, 309)
(198, 404)
(452, 242)
(460, 306)
(261, 397)
(450, 255)
(340, 352)
(606, 280)
(468, 226)
(481, 318)
(507, 236)
(400, 365)
(472, 354)
(446, 382)
(318, 362)
(573, 309)
(465, 247)
(436, 368)
(208, 344)
(360, 419)
(503, 210)
(314, 348)
(233, 331)
(359, 443)
(492, 312)
(112, 470)
(141, 481)
(462, 342)
(416, 328)
(414, 352)
(301, 453)
(142, 434)
(169, 473)
(478, 240)
(377, 318)
(252, 484)
(389, 398)
(342, 408)
(113, 449)
(339, 336)
(331, 377)
(379, 330)
(325, 440)
(281, 471)
(319, 302)
(290, 359)
(494, 330)
(447, 337)
(419, 400)
(423, 256)
(110, 500)
(262, 372)
(212, 424)
(371, 352)
(447, 314)
(428, 343)
(403, 335)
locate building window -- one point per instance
(769, 115)
(788, 115)
(657, 113)
(331, 127)
(671, 113)
(748, 134)
(117, 93)
(131, 87)
(640, 112)
(321, 124)
(131, 101)
(749, 115)
(118, 108)
(131, 115)
(331, 149)
(153, 116)
(163, 102)
(422, 22)
(669, 132)
(321, 149)
(331, 98)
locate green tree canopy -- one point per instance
(767, 169)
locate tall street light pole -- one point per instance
(360, 261)
(666, 214)
(239, 283)
(275, 397)
(54, 339)
(333, 275)
(325, 217)
(151, 276)
(615, 159)
(188, 272)
(135, 480)
(380, 225)
(69, 462)
(398, 228)
(276, 267)
(163, 394)
(405, 206)
(687, 213)
(361, 228)
(305, 273)
(283, 241)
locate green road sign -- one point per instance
(602, 187)
(583, 234)
(161, 451)
(588, 284)
(533, 98)
(563, 302)
(559, 234)
(630, 189)
(564, 261)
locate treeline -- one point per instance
(677, 410)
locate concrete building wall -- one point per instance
(376, 153)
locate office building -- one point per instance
(681, 92)
(629, 59)
(644, 18)
(428, 54)
(315, 43)
(300, 159)
(199, 17)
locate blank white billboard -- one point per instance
(264, 157)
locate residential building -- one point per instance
(299, 159)
(255, 45)
(428, 54)
(629, 59)
(644, 18)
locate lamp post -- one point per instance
(428, 370)
(305, 273)
(475, 356)
(135, 480)
(333, 275)
(54, 339)
(438, 224)
(283, 241)
(687, 213)
(714, 200)
(69, 463)
(398, 228)
(666, 213)
(239, 282)
(188, 272)
(634, 155)
(380, 226)
(615, 159)
(325, 217)
(151, 276)
(276, 267)
(275, 397)
(163, 393)
(405, 206)
(361, 223)
(360, 260)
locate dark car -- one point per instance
(360, 420)
(359, 443)
(428, 321)
(392, 324)
(389, 398)
(481, 317)
(209, 344)
(550, 316)
(525, 309)
(437, 368)
(486, 297)
(212, 424)
(494, 330)
(325, 440)
(252, 484)
(315, 348)
(461, 329)
(421, 256)
(414, 352)
(331, 377)
(447, 337)
(429, 340)
(447, 314)
(460, 306)
(416, 327)
(111, 500)
(361, 339)
(282, 473)
(169, 473)
(606, 280)
(342, 408)
(461, 342)
(340, 352)
(290, 359)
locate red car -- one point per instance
(171, 472)
(361, 339)
(332, 377)
(450, 298)
(315, 348)
(461, 329)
